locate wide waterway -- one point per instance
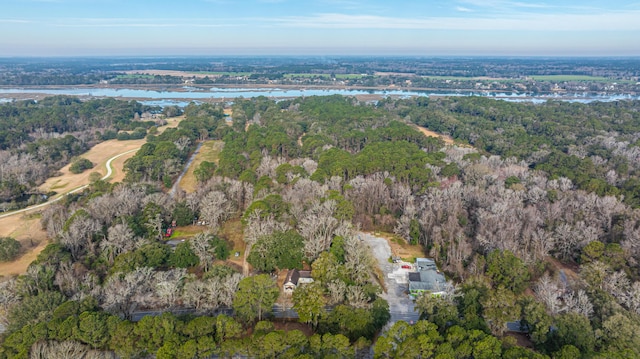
(184, 95)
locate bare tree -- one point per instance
(317, 227)
(632, 300)
(200, 245)
(168, 286)
(578, 302)
(182, 143)
(214, 208)
(53, 219)
(359, 260)
(337, 291)
(211, 293)
(549, 291)
(8, 297)
(65, 350)
(356, 297)
(618, 285)
(68, 279)
(78, 235)
(120, 239)
(369, 194)
(301, 194)
(268, 166)
(123, 294)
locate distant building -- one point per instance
(427, 278)
(295, 278)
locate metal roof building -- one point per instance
(427, 279)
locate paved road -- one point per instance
(106, 176)
(401, 306)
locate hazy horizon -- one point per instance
(489, 28)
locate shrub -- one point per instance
(9, 249)
(80, 165)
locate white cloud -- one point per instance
(142, 23)
(611, 21)
(463, 9)
(15, 21)
(501, 4)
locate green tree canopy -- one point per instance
(255, 297)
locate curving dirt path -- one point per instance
(26, 228)
(24, 224)
(77, 189)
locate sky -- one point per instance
(319, 27)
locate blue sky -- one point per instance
(319, 27)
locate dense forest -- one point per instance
(531, 216)
(38, 138)
(595, 145)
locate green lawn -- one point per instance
(561, 78)
(324, 76)
(134, 76)
(223, 73)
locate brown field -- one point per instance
(170, 73)
(25, 227)
(99, 155)
(232, 232)
(427, 132)
(400, 248)
(210, 151)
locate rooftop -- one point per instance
(428, 278)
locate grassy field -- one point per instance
(325, 76)
(187, 232)
(25, 229)
(134, 76)
(98, 154)
(232, 232)
(562, 78)
(210, 151)
(223, 73)
(464, 78)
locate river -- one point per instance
(184, 95)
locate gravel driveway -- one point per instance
(400, 305)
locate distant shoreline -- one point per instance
(380, 92)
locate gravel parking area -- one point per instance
(400, 305)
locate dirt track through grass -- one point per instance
(210, 151)
(25, 227)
